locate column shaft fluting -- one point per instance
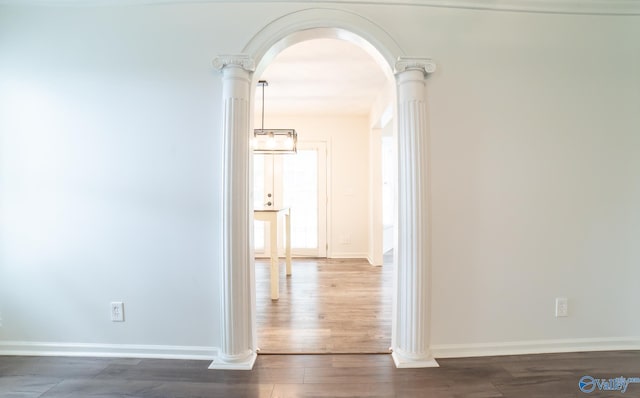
(236, 277)
(412, 308)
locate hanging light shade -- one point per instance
(273, 141)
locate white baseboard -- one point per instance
(371, 262)
(106, 350)
(211, 353)
(535, 347)
(347, 255)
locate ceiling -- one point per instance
(322, 76)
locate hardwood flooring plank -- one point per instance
(293, 361)
(326, 306)
(361, 361)
(260, 375)
(146, 389)
(348, 375)
(378, 390)
(25, 386)
(90, 388)
(56, 367)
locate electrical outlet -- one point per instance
(117, 311)
(562, 306)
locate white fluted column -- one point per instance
(410, 341)
(237, 349)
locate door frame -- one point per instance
(323, 183)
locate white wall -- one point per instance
(347, 139)
(375, 249)
(382, 122)
(110, 170)
(110, 179)
(536, 178)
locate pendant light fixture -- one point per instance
(273, 141)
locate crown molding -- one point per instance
(576, 7)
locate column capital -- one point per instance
(425, 65)
(234, 60)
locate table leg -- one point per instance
(288, 244)
(275, 288)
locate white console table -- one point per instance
(271, 216)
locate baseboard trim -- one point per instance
(372, 263)
(24, 348)
(348, 255)
(535, 347)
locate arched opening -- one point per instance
(411, 288)
(337, 96)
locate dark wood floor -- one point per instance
(325, 306)
(535, 376)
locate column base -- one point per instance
(404, 361)
(225, 363)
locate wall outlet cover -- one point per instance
(117, 311)
(562, 307)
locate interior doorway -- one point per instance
(412, 267)
(329, 90)
(300, 182)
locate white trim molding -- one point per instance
(28, 348)
(349, 255)
(313, 23)
(535, 347)
(576, 7)
(424, 65)
(239, 60)
(412, 272)
(237, 280)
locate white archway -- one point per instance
(411, 307)
(316, 23)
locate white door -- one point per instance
(300, 182)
